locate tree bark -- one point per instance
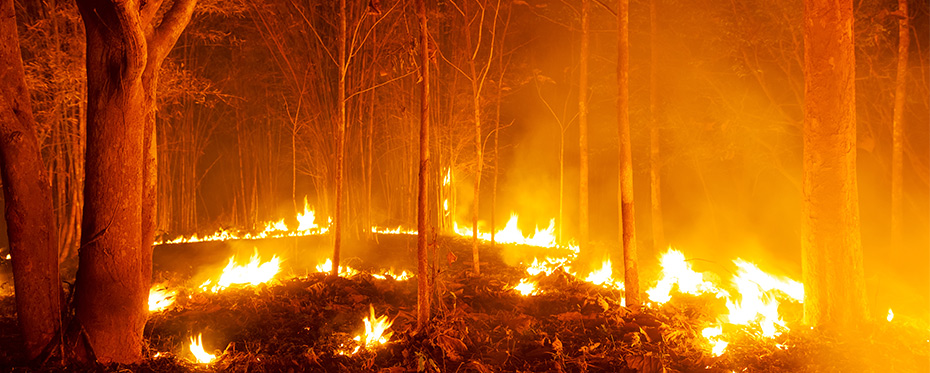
(423, 293)
(28, 198)
(655, 178)
(124, 52)
(834, 294)
(583, 131)
(627, 221)
(897, 136)
(340, 140)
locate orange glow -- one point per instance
(196, 348)
(253, 273)
(160, 298)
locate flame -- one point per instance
(197, 349)
(327, 267)
(714, 336)
(525, 287)
(604, 277)
(758, 298)
(677, 271)
(376, 331)
(306, 220)
(253, 273)
(398, 230)
(890, 315)
(398, 277)
(160, 298)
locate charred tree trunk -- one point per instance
(583, 132)
(897, 142)
(627, 221)
(655, 178)
(834, 293)
(340, 140)
(423, 292)
(124, 52)
(28, 198)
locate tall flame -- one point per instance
(197, 349)
(376, 330)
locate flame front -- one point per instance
(197, 349)
(759, 302)
(604, 277)
(160, 298)
(376, 330)
(677, 271)
(253, 273)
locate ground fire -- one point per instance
(465, 186)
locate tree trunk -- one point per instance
(655, 179)
(340, 140)
(28, 198)
(124, 52)
(834, 294)
(423, 293)
(897, 142)
(583, 132)
(627, 222)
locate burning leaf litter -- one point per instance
(196, 348)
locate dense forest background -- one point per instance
(247, 119)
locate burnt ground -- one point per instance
(480, 324)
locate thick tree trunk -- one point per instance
(834, 293)
(583, 132)
(423, 292)
(627, 222)
(655, 178)
(340, 140)
(28, 198)
(897, 142)
(124, 51)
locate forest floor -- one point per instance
(480, 324)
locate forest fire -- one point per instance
(252, 273)
(517, 186)
(196, 348)
(160, 297)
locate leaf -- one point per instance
(452, 347)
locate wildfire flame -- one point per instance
(253, 273)
(327, 267)
(714, 335)
(677, 271)
(604, 277)
(197, 349)
(758, 301)
(890, 315)
(376, 330)
(525, 287)
(160, 298)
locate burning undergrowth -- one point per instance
(364, 321)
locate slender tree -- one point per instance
(655, 178)
(897, 135)
(834, 293)
(125, 48)
(627, 221)
(340, 139)
(423, 293)
(583, 130)
(28, 198)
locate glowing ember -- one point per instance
(677, 271)
(714, 335)
(604, 277)
(890, 315)
(160, 298)
(327, 267)
(197, 349)
(253, 273)
(398, 230)
(759, 300)
(398, 277)
(525, 287)
(376, 331)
